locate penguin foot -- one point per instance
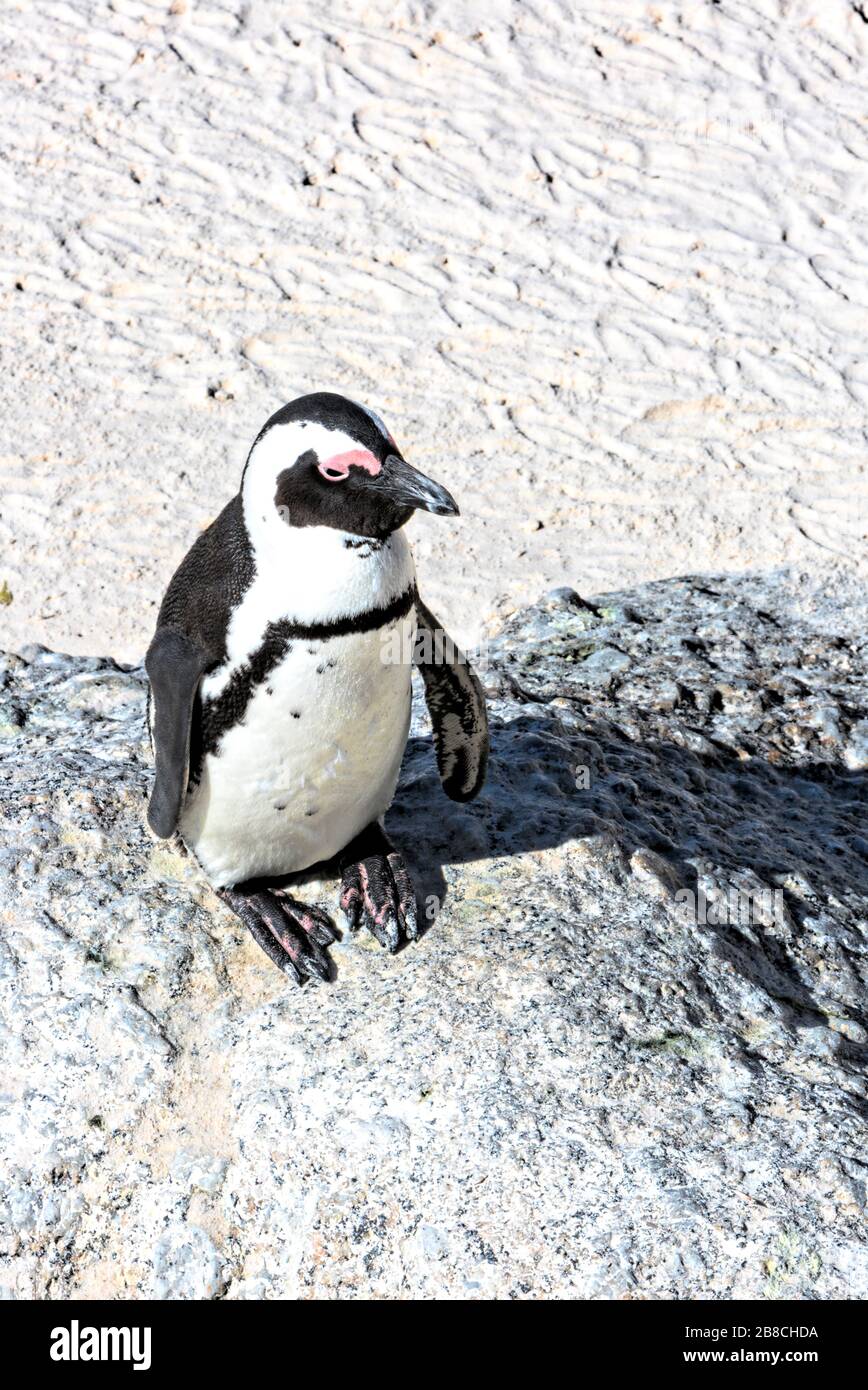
(377, 891)
(291, 933)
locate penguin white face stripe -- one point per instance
(280, 448)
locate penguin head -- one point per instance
(323, 460)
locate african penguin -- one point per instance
(278, 709)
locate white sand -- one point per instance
(601, 266)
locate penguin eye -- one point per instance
(337, 468)
(331, 473)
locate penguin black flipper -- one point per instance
(174, 664)
(456, 703)
(190, 638)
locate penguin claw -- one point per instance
(292, 934)
(378, 893)
(405, 897)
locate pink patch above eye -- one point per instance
(337, 468)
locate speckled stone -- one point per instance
(576, 1084)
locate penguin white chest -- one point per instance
(314, 758)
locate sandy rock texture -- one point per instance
(575, 1084)
(601, 265)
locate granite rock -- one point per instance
(626, 1060)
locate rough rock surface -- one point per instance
(574, 1085)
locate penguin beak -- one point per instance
(405, 485)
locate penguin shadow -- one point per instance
(796, 831)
